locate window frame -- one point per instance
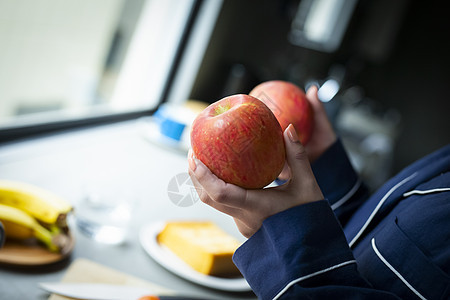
(14, 133)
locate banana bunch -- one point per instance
(27, 211)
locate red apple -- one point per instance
(239, 139)
(289, 104)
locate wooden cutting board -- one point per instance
(83, 270)
(31, 253)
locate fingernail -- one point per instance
(191, 162)
(292, 134)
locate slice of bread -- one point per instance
(202, 245)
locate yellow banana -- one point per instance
(20, 225)
(39, 203)
(17, 231)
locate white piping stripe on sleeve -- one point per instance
(347, 196)
(377, 208)
(395, 271)
(420, 192)
(312, 275)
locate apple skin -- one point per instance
(239, 139)
(289, 104)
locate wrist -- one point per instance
(334, 172)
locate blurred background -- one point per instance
(382, 66)
(97, 96)
(389, 59)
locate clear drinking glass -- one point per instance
(104, 214)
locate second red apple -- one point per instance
(289, 104)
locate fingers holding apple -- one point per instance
(239, 141)
(240, 145)
(226, 198)
(302, 182)
(323, 135)
(212, 190)
(250, 208)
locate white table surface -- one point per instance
(120, 154)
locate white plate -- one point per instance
(167, 259)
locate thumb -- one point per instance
(303, 183)
(297, 158)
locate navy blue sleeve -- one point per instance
(339, 182)
(302, 253)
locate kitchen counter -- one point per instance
(120, 154)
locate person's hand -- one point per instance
(250, 208)
(323, 135)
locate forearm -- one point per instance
(339, 182)
(301, 252)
